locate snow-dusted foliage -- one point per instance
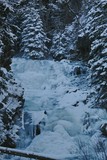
(7, 36)
(33, 43)
(63, 43)
(94, 22)
(59, 47)
(11, 94)
(11, 101)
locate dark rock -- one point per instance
(77, 70)
(45, 112)
(38, 131)
(84, 46)
(59, 57)
(103, 129)
(1, 105)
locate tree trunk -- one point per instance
(22, 153)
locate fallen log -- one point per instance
(27, 154)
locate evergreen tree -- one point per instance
(59, 47)
(7, 36)
(63, 46)
(11, 94)
(94, 22)
(33, 44)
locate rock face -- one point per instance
(58, 14)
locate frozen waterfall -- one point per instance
(56, 89)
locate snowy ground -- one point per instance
(55, 95)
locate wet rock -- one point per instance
(79, 70)
(38, 131)
(84, 46)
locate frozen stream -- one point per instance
(56, 97)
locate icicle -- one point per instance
(23, 127)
